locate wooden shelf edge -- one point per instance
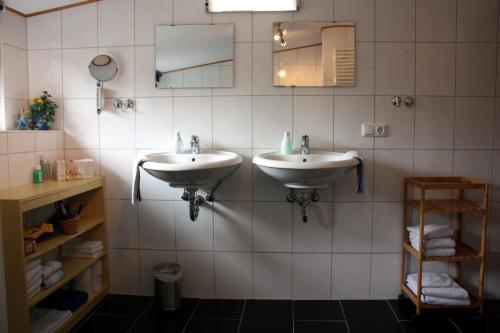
(74, 266)
(82, 311)
(471, 256)
(84, 225)
(471, 206)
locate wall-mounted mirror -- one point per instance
(314, 54)
(194, 56)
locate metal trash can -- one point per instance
(167, 281)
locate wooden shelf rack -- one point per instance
(14, 204)
(419, 186)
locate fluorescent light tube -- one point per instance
(252, 5)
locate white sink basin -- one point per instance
(192, 170)
(315, 170)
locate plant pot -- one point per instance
(40, 123)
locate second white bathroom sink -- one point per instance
(318, 169)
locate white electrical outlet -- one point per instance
(373, 129)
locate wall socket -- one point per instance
(373, 129)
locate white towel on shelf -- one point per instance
(47, 320)
(33, 263)
(435, 243)
(50, 268)
(35, 271)
(437, 285)
(445, 301)
(34, 288)
(444, 252)
(34, 291)
(82, 244)
(53, 279)
(136, 178)
(432, 231)
(35, 280)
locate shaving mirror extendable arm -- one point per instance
(103, 68)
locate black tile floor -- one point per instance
(137, 314)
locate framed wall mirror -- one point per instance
(314, 54)
(194, 56)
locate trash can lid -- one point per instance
(167, 272)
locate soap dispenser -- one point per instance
(286, 144)
(179, 145)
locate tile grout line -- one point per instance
(395, 316)
(345, 317)
(191, 316)
(140, 316)
(241, 317)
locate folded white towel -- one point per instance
(47, 320)
(50, 268)
(136, 177)
(34, 288)
(33, 281)
(445, 252)
(445, 301)
(53, 279)
(432, 231)
(34, 273)
(33, 263)
(82, 244)
(437, 285)
(434, 243)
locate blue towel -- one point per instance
(360, 173)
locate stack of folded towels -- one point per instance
(438, 239)
(47, 320)
(51, 273)
(82, 248)
(438, 289)
(33, 277)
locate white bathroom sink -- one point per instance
(318, 169)
(192, 170)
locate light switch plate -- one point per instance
(373, 129)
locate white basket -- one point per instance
(75, 169)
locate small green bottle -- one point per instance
(37, 175)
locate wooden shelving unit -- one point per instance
(419, 186)
(14, 204)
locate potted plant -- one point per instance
(42, 111)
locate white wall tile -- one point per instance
(272, 227)
(264, 187)
(272, 116)
(233, 226)
(387, 218)
(385, 275)
(11, 109)
(362, 12)
(474, 122)
(191, 12)
(148, 260)
(233, 275)
(157, 225)
(349, 114)
(400, 124)
(15, 72)
(272, 276)
(81, 125)
(115, 23)
(395, 20)
(477, 21)
(116, 128)
(122, 263)
(263, 70)
(232, 122)
(145, 73)
(351, 276)
(3, 143)
(79, 26)
(311, 276)
(493, 244)
(391, 166)
(314, 10)
(495, 186)
(149, 14)
(21, 142)
(4, 175)
(21, 168)
(122, 85)
(116, 167)
(433, 163)
(474, 74)
(44, 31)
(45, 72)
(77, 81)
(435, 69)
(365, 71)
(394, 68)
(154, 122)
(434, 122)
(242, 24)
(73, 154)
(492, 277)
(313, 115)
(121, 222)
(193, 116)
(199, 235)
(15, 30)
(154, 189)
(47, 140)
(473, 163)
(316, 234)
(352, 227)
(238, 187)
(436, 21)
(497, 124)
(198, 276)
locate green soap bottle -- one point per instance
(37, 175)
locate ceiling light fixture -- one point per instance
(217, 6)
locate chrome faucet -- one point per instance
(305, 145)
(195, 144)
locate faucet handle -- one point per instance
(305, 139)
(195, 139)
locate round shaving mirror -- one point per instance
(103, 68)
